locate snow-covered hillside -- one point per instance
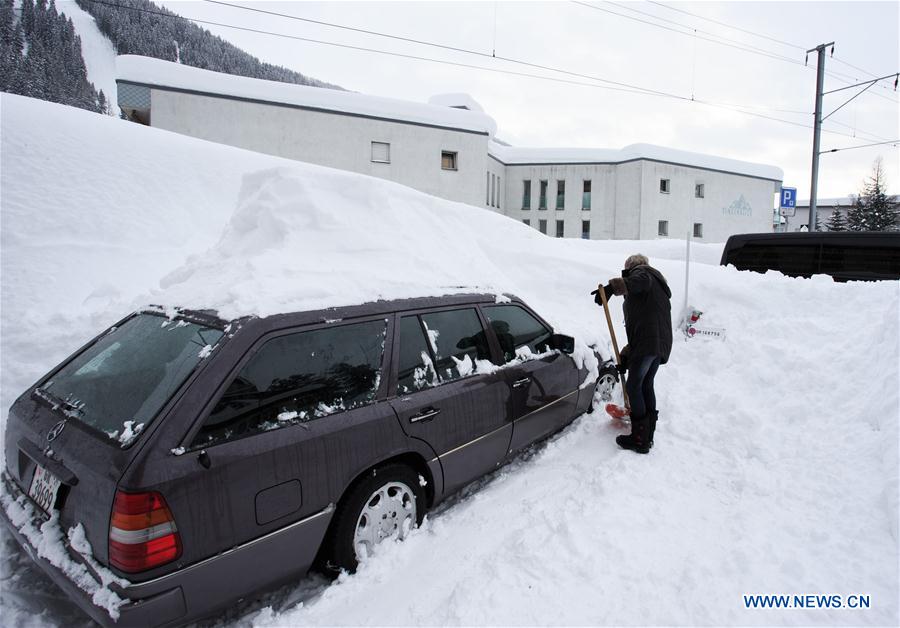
(98, 52)
(775, 469)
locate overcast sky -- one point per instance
(586, 41)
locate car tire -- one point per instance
(371, 511)
(606, 382)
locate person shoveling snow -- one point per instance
(648, 327)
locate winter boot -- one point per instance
(652, 417)
(636, 441)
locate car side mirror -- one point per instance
(563, 343)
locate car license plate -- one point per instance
(44, 487)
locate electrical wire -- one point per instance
(492, 55)
(838, 75)
(845, 78)
(737, 46)
(737, 28)
(837, 150)
(620, 87)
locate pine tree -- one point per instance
(837, 221)
(27, 16)
(883, 211)
(874, 210)
(856, 216)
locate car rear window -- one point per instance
(119, 384)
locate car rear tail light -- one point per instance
(142, 532)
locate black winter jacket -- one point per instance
(648, 313)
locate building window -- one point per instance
(698, 230)
(487, 189)
(448, 160)
(493, 189)
(542, 201)
(560, 229)
(664, 186)
(699, 190)
(586, 195)
(585, 229)
(526, 222)
(663, 228)
(560, 194)
(498, 192)
(526, 195)
(542, 225)
(381, 152)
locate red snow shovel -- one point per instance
(616, 412)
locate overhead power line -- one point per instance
(837, 75)
(720, 40)
(737, 28)
(493, 55)
(837, 150)
(691, 32)
(614, 86)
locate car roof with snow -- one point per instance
(334, 314)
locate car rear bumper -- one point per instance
(191, 592)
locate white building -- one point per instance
(448, 148)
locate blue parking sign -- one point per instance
(789, 197)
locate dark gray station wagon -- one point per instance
(206, 460)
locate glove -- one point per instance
(618, 286)
(607, 289)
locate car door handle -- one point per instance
(521, 382)
(424, 415)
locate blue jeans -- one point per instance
(639, 385)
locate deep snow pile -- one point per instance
(776, 461)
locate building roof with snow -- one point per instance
(513, 156)
(155, 73)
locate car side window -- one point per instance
(299, 377)
(516, 329)
(416, 368)
(457, 340)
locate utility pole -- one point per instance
(817, 129)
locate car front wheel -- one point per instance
(386, 504)
(603, 389)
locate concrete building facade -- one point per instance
(448, 148)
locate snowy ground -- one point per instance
(775, 469)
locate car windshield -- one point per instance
(118, 384)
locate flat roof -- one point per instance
(156, 73)
(515, 156)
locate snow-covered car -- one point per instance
(179, 462)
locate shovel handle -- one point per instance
(612, 335)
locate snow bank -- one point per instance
(137, 69)
(775, 469)
(47, 541)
